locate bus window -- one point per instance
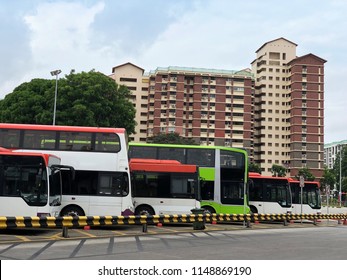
(232, 192)
(39, 139)
(201, 157)
(207, 190)
(172, 153)
(75, 141)
(115, 184)
(9, 138)
(143, 152)
(107, 142)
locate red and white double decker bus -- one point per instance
(99, 156)
(30, 183)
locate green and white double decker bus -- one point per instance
(223, 172)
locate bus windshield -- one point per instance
(24, 176)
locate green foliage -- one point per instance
(83, 99)
(336, 170)
(278, 170)
(305, 172)
(253, 167)
(170, 138)
(328, 179)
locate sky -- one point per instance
(39, 36)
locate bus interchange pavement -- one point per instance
(20, 235)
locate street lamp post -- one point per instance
(55, 73)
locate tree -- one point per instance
(278, 170)
(328, 179)
(170, 138)
(336, 170)
(84, 99)
(253, 167)
(305, 172)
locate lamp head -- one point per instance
(55, 72)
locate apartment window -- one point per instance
(134, 80)
(274, 55)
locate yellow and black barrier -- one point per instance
(198, 220)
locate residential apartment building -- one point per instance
(331, 151)
(275, 111)
(137, 82)
(289, 108)
(213, 107)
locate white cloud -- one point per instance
(61, 36)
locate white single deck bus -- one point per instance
(164, 186)
(30, 184)
(99, 156)
(269, 195)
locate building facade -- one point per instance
(274, 110)
(289, 108)
(331, 151)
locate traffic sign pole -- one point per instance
(302, 184)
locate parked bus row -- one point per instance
(111, 178)
(226, 185)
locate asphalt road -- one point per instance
(281, 243)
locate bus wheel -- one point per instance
(72, 211)
(144, 210)
(209, 210)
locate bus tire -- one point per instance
(144, 210)
(72, 211)
(208, 210)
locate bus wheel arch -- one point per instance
(72, 210)
(208, 209)
(254, 209)
(144, 209)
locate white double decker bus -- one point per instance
(99, 156)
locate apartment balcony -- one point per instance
(238, 101)
(238, 110)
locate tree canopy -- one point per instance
(170, 138)
(336, 170)
(305, 172)
(328, 179)
(278, 170)
(83, 99)
(253, 167)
